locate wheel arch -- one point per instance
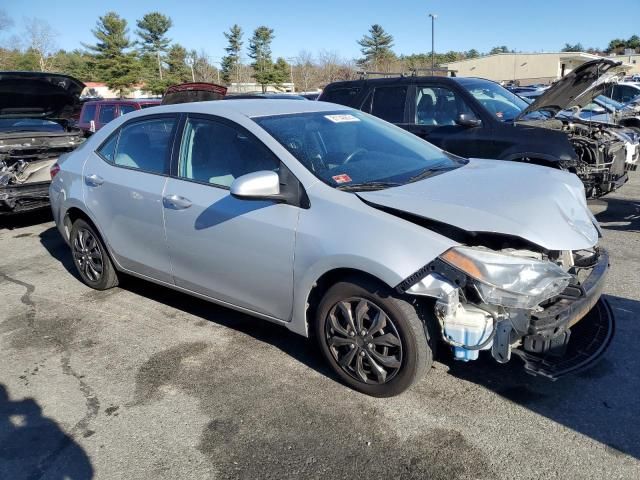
(74, 213)
(324, 282)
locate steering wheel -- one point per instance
(354, 154)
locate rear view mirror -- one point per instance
(262, 185)
(468, 120)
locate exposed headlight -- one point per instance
(508, 280)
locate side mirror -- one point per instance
(262, 185)
(468, 120)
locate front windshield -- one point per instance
(610, 102)
(499, 101)
(353, 150)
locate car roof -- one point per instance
(408, 80)
(248, 107)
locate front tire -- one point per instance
(372, 338)
(91, 258)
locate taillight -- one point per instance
(55, 168)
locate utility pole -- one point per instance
(433, 37)
(191, 61)
(290, 60)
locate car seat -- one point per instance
(212, 156)
(134, 151)
(425, 111)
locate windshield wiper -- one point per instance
(428, 172)
(365, 186)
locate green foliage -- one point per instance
(231, 61)
(501, 49)
(260, 52)
(572, 48)
(177, 69)
(376, 47)
(118, 66)
(152, 30)
(473, 53)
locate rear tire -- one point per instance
(372, 338)
(91, 258)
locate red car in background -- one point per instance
(96, 114)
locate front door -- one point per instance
(123, 182)
(436, 120)
(236, 251)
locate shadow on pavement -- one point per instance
(617, 214)
(292, 344)
(11, 222)
(600, 403)
(33, 446)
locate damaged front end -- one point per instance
(543, 307)
(604, 158)
(605, 153)
(25, 161)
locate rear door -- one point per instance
(106, 113)
(123, 184)
(236, 251)
(388, 102)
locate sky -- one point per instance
(336, 25)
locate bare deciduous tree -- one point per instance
(41, 38)
(304, 70)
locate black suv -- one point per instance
(474, 117)
(470, 117)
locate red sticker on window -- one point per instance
(342, 178)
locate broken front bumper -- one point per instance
(574, 331)
(24, 198)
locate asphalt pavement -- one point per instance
(141, 382)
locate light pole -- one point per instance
(433, 36)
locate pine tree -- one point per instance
(152, 30)
(376, 47)
(178, 71)
(231, 62)
(117, 66)
(260, 52)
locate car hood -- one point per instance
(38, 94)
(578, 88)
(541, 205)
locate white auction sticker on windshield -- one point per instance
(344, 118)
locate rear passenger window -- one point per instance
(126, 109)
(341, 96)
(107, 113)
(145, 145)
(108, 149)
(88, 113)
(217, 153)
(388, 103)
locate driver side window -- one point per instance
(438, 106)
(217, 153)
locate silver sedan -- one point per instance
(340, 226)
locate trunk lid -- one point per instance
(38, 95)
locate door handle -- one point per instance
(176, 202)
(94, 180)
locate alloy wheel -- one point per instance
(364, 340)
(87, 255)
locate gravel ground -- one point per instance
(144, 383)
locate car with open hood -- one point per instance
(475, 117)
(606, 152)
(338, 225)
(35, 130)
